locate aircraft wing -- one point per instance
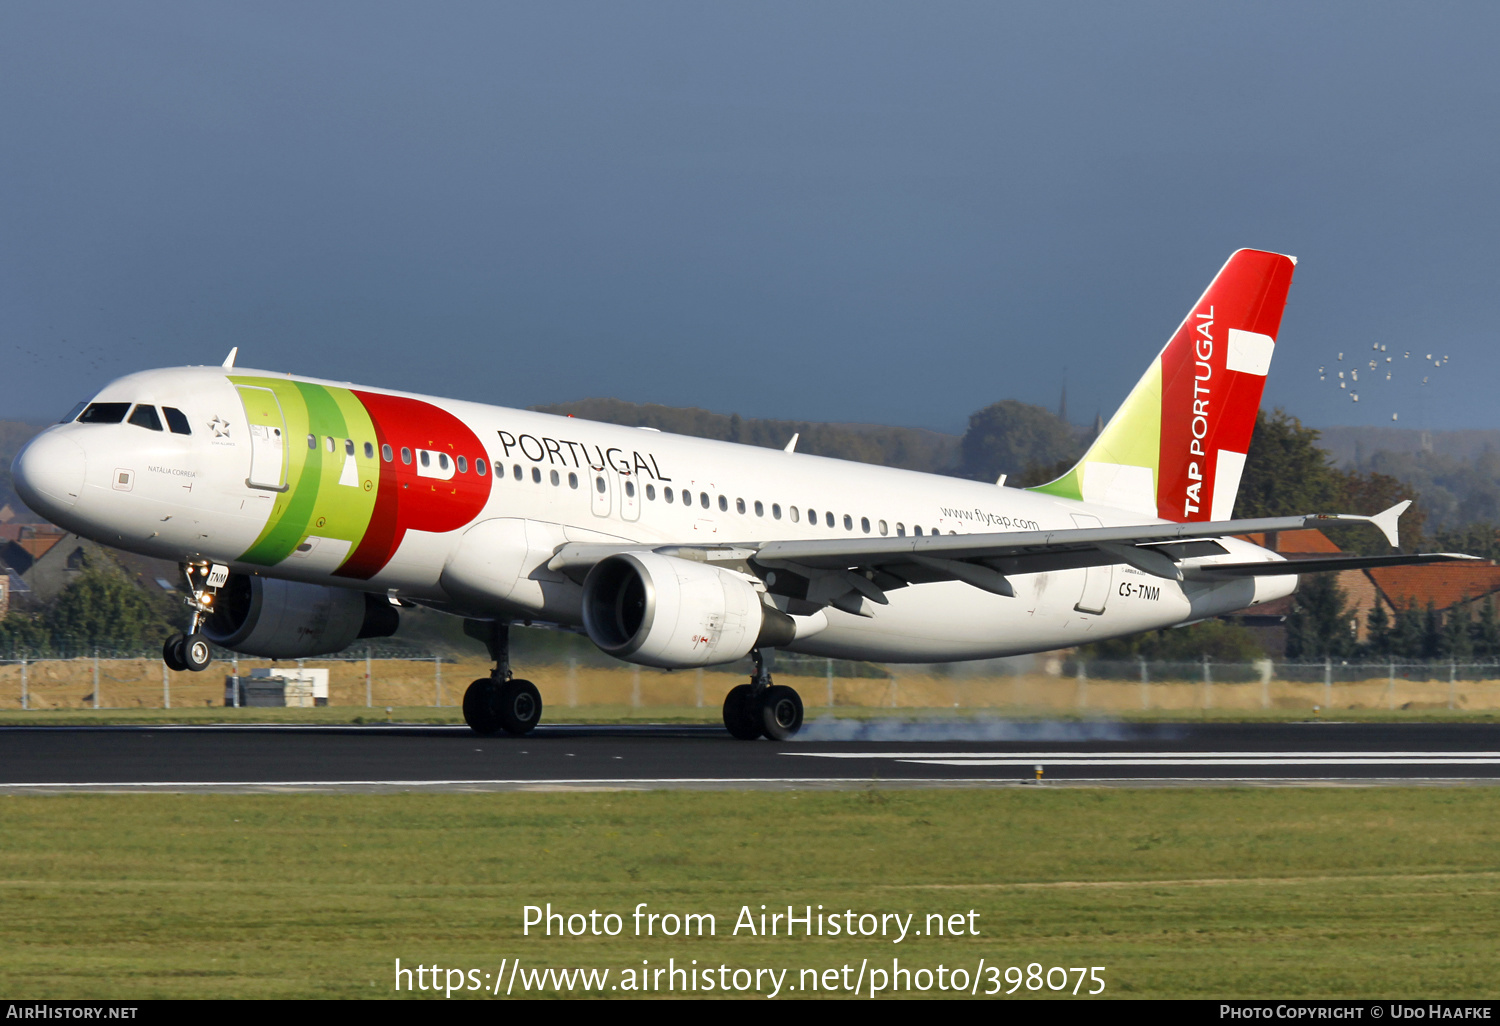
(1317, 564)
(839, 571)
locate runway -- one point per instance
(829, 754)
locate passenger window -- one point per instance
(536, 475)
(385, 452)
(348, 447)
(849, 523)
(739, 505)
(312, 441)
(864, 525)
(177, 420)
(651, 492)
(330, 444)
(572, 480)
(900, 529)
(630, 489)
(881, 525)
(516, 471)
(666, 493)
(480, 467)
(793, 511)
(369, 450)
(442, 460)
(73, 414)
(776, 511)
(599, 484)
(918, 530)
(104, 413)
(425, 457)
(145, 416)
(760, 509)
(556, 479)
(406, 455)
(828, 519)
(463, 464)
(703, 499)
(723, 504)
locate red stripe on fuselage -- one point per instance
(404, 500)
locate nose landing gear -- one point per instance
(761, 707)
(500, 702)
(191, 651)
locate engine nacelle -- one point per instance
(674, 613)
(278, 619)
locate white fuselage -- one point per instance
(552, 480)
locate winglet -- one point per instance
(229, 360)
(792, 445)
(1386, 520)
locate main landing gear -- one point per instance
(761, 707)
(500, 702)
(190, 651)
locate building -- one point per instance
(1445, 585)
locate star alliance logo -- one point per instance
(220, 426)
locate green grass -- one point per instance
(710, 713)
(1179, 892)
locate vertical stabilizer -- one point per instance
(1176, 447)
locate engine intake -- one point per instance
(674, 613)
(278, 619)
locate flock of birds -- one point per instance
(1376, 366)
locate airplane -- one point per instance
(304, 513)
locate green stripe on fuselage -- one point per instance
(316, 504)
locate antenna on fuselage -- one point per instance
(229, 360)
(792, 445)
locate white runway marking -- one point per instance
(1124, 760)
(1165, 758)
(579, 781)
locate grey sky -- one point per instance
(878, 212)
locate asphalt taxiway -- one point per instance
(848, 753)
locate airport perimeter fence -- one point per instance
(379, 679)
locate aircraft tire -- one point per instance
(519, 707)
(739, 713)
(481, 706)
(172, 653)
(779, 712)
(196, 653)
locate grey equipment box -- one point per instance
(255, 692)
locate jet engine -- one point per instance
(288, 620)
(664, 611)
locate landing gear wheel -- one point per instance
(519, 707)
(739, 713)
(778, 711)
(196, 655)
(481, 706)
(172, 653)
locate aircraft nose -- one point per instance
(49, 473)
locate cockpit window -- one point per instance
(177, 420)
(103, 413)
(146, 417)
(73, 414)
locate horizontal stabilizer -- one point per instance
(1317, 565)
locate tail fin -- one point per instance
(1176, 447)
